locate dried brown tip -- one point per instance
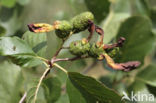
(32, 27)
(121, 42)
(128, 66)
(40, 27)
(101, 33)
(91, 29)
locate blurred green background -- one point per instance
(133, 19)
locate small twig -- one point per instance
(91, 29)
(23, 98)
(119, 43)
(43, 59)
(58, 51)
(58, 66)
(100, 32)
(39, 83)
(70, 59)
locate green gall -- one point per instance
(79, 47)
(113, 52)
(63, 29)
(80, 22)
(96, 51)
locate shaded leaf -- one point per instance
(148, 75)
(89, 90)
(40, 95)
(140, 88)
(2, 31)
(139, 39)
(100, 8)
(11, 22)
(6, 13)
(11, 82)
(53, 87)
(151, 89)
(63, 98)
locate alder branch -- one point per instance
(39, 83)
(70, 59)
(23, 98)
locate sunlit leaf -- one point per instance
(84, 89)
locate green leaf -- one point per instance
(84, 89)
(148, 75)
(151, 89)
(8, 3)
(137, 31)
(2, 31)
(119, 11)
(153, 16)
(18, 51)
(100, 8)
(11, 82)
(63, 98)
(53, 87)
(137, 86)
(6, 13)
(14, 46)
(10, 20)
(49, 92)
(40, 95)
(140, 7)
(37, 41)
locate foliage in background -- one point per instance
(133, 19)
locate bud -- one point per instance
(40, 27)
(79, 47)
(63, 29)
(81, 22)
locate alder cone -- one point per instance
(96, 51)
(80, 22)
(79, 47)
(63, 29)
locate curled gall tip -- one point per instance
(128, 66)
(99, 30)
(121, 42)
(32, 28)
(40, 27)
(131, 65)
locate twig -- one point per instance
(39, 83)
(58, 66)
(23, 98)
(91, 29)
(58, 51)
(100, 32)
(70, 59)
